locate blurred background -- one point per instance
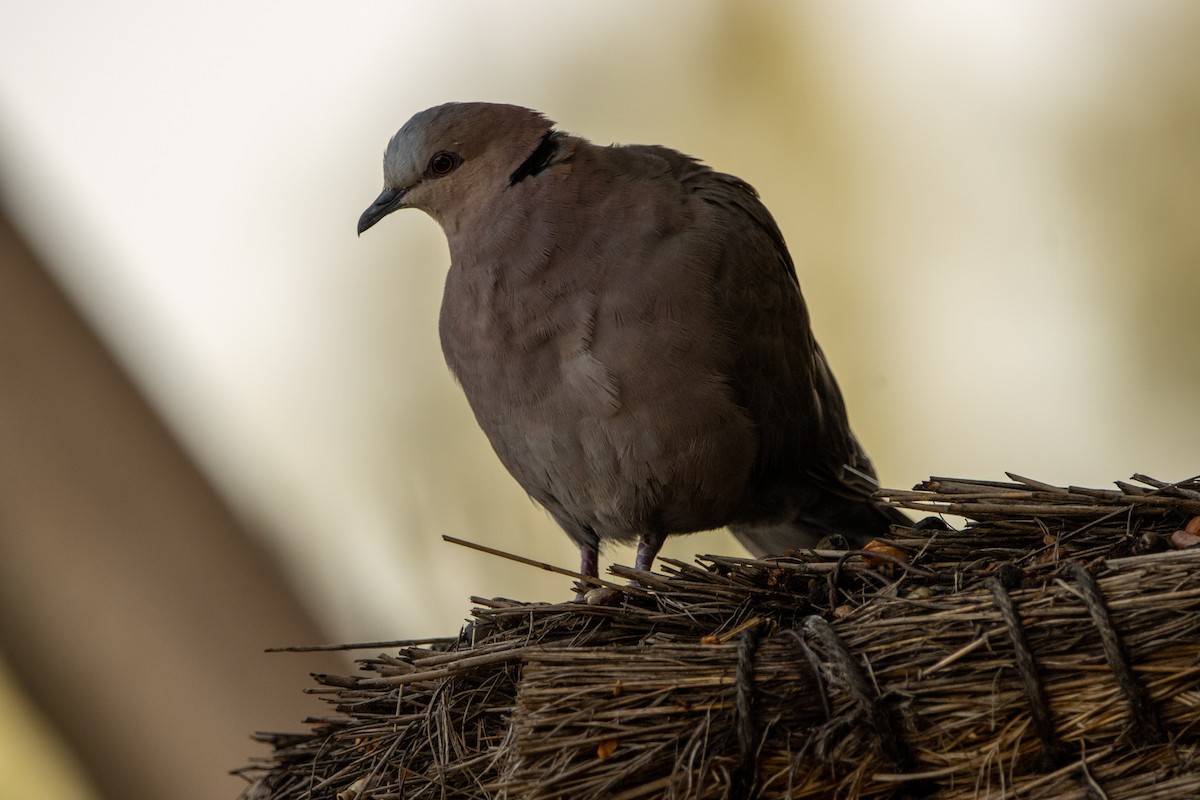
(225, 422)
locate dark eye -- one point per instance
(443, 163)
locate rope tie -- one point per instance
(872, 710)
(1146, 726)
(1043, 725)
(745, 777)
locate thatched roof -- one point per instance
(1050, 648)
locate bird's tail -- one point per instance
(858, 523)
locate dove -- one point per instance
(628, 328)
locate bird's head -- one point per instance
(447, 153)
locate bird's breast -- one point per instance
(523, 347)
(604, 413)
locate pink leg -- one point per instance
(589, 565)
(648, 546)
(589, 561)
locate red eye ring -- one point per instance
(443, 163)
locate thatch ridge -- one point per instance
(1050, 648)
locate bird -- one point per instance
(628, 327)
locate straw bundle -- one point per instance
(1051, 648)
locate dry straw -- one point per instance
(1050, 648)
